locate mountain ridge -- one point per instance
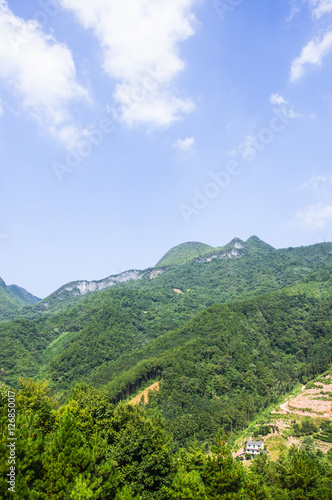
(14, 297)
(196, 249)
(178, 271)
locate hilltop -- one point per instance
(13, 298)
(184, 253)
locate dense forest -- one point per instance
(89, 448)
(219, 369)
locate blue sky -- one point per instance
(129, 127)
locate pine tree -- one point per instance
(67, 456)
(187, 485)
(141, 450)
(222, 475)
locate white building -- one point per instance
(254, 447)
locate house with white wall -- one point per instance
(254, 447)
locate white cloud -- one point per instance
(40, 73)
(277, 99)
(317, 215)
(319, 184)
(314, 216)
(312, 54)
(158, 108)
(284, 107)
(248, 147)
(320, 7)
(185, 145)
(140, 43)
(295, 9)
(1, 108)
(254, 142)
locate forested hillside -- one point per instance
(13, 298)
(88, 448)
(218, 369)
(225, 334)
(227, 363)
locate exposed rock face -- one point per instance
(77, 288)
(155, 273)
(81, 288)
(235, 251)
(197, 252)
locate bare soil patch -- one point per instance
(145, 393)
(310, 403)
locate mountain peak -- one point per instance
(23, 295)
(191, 250)
(257, 243)
(183, 253)
(13, 297)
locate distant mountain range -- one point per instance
(191, 253)
(13, 298)
(190, 265)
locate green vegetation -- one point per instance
(227, 363)
(13, 298)
(218, 370)
(252, 324)
(263, 430)
(305, 428)
(326, 432)
(88, 448)
(184, 253)
(218, 367)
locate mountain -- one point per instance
(13, 298)
(222, 338)
(220, 368)
(212, 275)
(200, 252)
(23, 296)
(183, 253)
(235, 325)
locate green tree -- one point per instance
(222, 475)
(302, 476)
(34, 399)
(187, 486)
(67, 456)
(141, 450)
(27, 447)
(126, 493)
(308, 445)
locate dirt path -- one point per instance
(145, 393)
(239, 452)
